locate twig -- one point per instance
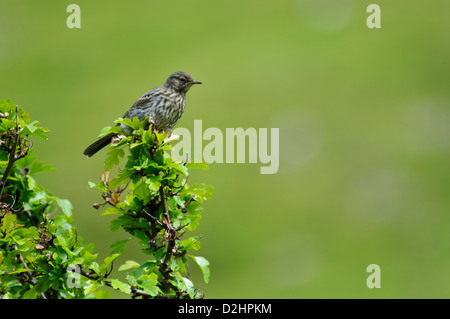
(181, 187)
(153, 218)
(32, 278)
(184, 209)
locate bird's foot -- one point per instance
(117, 139)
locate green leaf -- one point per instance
(107, 262)
(194, 208)
(3, 164)
(95, 267)
(31, 127)
(123, 176)
(113, 157)
(204, 266)
(161, 136)
(209, 191)
(189, 287)
(129, 264)
(153, 183)
(125, 221)
(91, 287)
(179, 168)
(8, 222)
(190, 243)
(7, 124)
(194, 222)
(18, 271)
(61, 240)
(148, 138)
(119, 246)
(100, 186)
(38, 167)
(149, 284)
(142, 190)
(33, 293)
(116, 284)
(178, 200)
(134, 123)
(112, 211)
(66, 206)
(43, 284)
(104, 131)
(125, 121)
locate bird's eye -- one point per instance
(182, 79)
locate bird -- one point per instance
(164, 105)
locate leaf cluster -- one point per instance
(41, 254)
(153, 203)
(37, 245)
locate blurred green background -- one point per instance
(364, 118)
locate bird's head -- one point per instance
(180, 81)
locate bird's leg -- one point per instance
(152, 123)
(117, 139)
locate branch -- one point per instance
(32, 278)
(12, 155)
(184, 209)
(153, 235)
(164, 268)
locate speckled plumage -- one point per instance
(163, 104)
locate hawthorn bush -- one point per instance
(41, 255)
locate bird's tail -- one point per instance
(98, 145)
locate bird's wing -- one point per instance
(148, 98)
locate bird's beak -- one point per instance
(194, 82)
